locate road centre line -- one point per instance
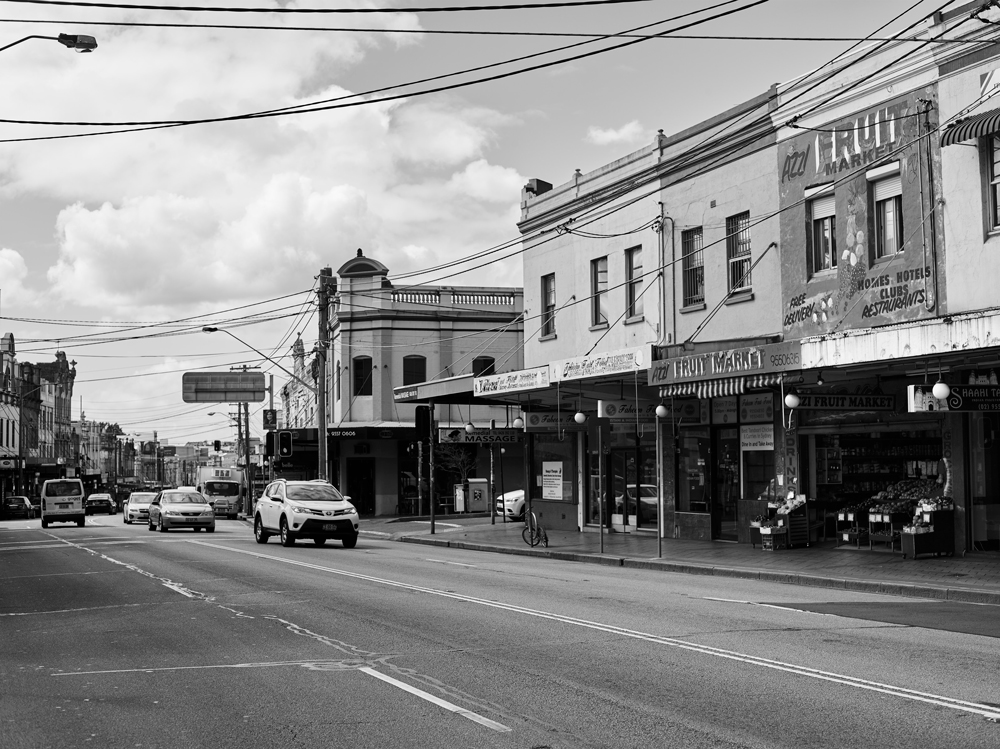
(474, 717)
(456, 564)
(987, 711)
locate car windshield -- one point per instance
(100, 496)
(313, 493)
(222, 488)
(16, 501)
(183, 499)
(141, 498)
(63, 489)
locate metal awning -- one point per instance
(722, 387)
(977, 126)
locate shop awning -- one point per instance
(719, 388)
(977, 126)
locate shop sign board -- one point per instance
(920, 399)
(834, 402)
(552, 422)
(756, 437)
(479, 435)
(8, 463)
(766, 359)
(627, 411)
(974, 398)
(511, 382)
(552, 479)
(757, 407)
(724, 409)
(622, 361)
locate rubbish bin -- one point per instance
(478, 499)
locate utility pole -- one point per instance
(246, 460)
(325, 275)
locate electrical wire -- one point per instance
(323, 11)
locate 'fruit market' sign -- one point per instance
(818, 402)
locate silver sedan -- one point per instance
(181, 508)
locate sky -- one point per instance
(119, 246)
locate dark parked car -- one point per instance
(100, 503)
(18, 507)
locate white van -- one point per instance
(62, 502)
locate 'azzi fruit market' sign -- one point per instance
(772, 357)
(832, 402)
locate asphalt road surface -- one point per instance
(112, 636)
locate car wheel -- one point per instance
(520, 515)
(350, 541)
(45, 523)
(125, 519)
(210, 529)
(319, 541)
(287, 537)
(159, 524)
(259, 534)
(80, 522)
(149, 525)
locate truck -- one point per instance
(223, 487)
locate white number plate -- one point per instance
(329, 526)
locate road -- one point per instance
(112, 636)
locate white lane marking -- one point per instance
(987, 711)
(474, 717)
(445, 561)
(438, 522)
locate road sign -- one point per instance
(223, 387)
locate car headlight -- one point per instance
(208, 511)
(171, 512)
(298, 510)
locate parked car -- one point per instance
(136, 507)
(181, 508)
(18, 507)
(100, 503)
(511, 504)
(305, 509)
(648, 501)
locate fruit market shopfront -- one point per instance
(891, 465)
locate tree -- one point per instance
(456, 458)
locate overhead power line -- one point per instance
(326, 11)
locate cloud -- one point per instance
(13, 272)
(631, 132)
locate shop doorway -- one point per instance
(361, 484)
(725, 484)
(985, 463)
(632, 474)
(694, 459)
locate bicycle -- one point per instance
(533, 533)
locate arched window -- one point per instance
(362, 375)
(414, 369)
(482, 366)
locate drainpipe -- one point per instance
(930, 296)
(663, 281)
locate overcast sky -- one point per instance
(101, 234)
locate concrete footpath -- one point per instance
(973, 578)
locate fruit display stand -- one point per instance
(852, 526)
(932, 530)
(773, 538)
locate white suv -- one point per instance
(305, 509)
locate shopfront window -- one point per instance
(554, 468)
(693, 473)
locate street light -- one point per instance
(318, 392)
(79, 42)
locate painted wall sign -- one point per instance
(771, 357)
(834, 402)
(725, 409)
(757, 437)
(842, 284)
(623, 361)
(757, 407)
(511, 382)
(974, 398)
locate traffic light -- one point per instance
(284, 444)
(218, 446)
(422, 419)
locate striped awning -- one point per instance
(977, 126)
(720, 388)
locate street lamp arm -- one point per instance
(210, 329)
(79, 42)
